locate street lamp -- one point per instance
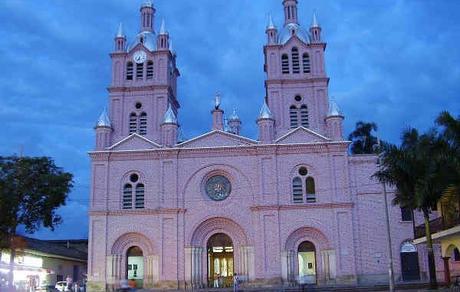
(387, 217)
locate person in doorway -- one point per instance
(132, 284)
(68, 281)
(235, 282)
(216, 280)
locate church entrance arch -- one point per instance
(220, 261)
(306, 254)
(135, 265)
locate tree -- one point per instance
(362, 139)
(31, 189)
(450, 133)
(418, 171)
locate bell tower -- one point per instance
(296, 82)
(144, 80)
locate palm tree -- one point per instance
(450, 133)
(417, 170)
(362, 139)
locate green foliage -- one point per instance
(31, 189)
(363, 142)
(424, 169)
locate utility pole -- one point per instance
(387, 217)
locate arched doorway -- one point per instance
(306, 255)
(409, 262)
(135, 265)
(220, 261)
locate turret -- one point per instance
(271, 32)
(334, 121)
(169, 128)
(234, 123)
(315, 30)
(163, 38)
(147, 15)
(266, 125)
(120, 40)
(217, 115)
(103, 131)
(290, 11)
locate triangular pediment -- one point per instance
(134, 142)
(294, 40)
(301, 135)
(217, 138)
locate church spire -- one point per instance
(163, 37)
(290, 11)
(271, 31)
(315, 30)
(147, 14)
(120, 39)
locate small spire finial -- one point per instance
(265, 112)
(120, 33)
(217, 100)
(170, 116)
(334, 109)
(103, 120)
(314, 21)
(163, 27)
(270, 22)
(234, 115)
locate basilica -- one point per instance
(288, 207)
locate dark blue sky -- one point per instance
(396, 63)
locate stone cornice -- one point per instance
(295, 81)
(240, 150)
(117, 89)
(159, 211)
(302, 207)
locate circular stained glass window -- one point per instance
(303, 171)
(133, 177)
(218, 187)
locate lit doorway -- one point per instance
(135, 265)
(306, 254)
(220, 261)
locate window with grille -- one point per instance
(295, 60)
(132, 123)
(304, 116)
(127, 196)
(140, 71)
(297, 193)
(139, 203)
(149, 70)
(143, 124)
(293, 117)
(306, 63)
(310, 189)
(129, 71)
(285, 64)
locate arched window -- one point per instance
(133, 193)
(149, 70)
(456, 255)
(295, 60)
(285, 64)
(143, 124)
(140, 71)
(304, 116)
(293, 117)
(127, 196)
(139, 203)
(310, 189)
(306, 63)
(129, 71)
(297, 194)
(132, 123)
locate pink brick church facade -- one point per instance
(290, 207)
